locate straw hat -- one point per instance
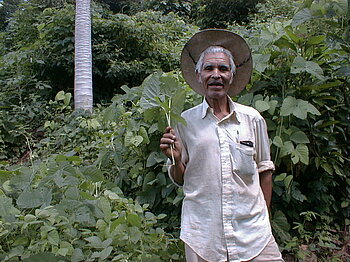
(217, 37)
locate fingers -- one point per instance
(167, 140)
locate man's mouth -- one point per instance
(216, 84)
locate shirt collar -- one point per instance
(207, 109)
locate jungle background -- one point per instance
(80, 186)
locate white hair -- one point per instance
(215, 49)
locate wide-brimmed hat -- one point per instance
(217, 37)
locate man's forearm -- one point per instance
(266, 186)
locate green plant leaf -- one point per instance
(134, 234)
(105, 253)
(297, 107)
(292, 35)
(299, 137)
(53, 238)
(301, 154)
(280, 177)
(95, 242)
(301, 65)
(60, 96)
(287, 148)
(262, 105)
(315, 40)
(301, 17)
(44, 257)
(34, 198)
(144, 135)
(281, 226)
(154, 158)
(287, 181)
(261, 62)
(277, 141)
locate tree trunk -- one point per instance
(83, 57)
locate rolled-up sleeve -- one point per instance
(262, 156)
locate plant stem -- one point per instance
(167, 115)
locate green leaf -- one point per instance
(144, 134)
(105, 253)
(132, 140)
(280, 177)
(134, 220)
(135, 234)
(327, 168)
(287, 181)
(105, 206)
(302, 153)
(94, 241)
(277, 141)
(67, 99)
(341, 7)
(261, 62)
(288, 106)
(301, 17)
(151, 89)
(60, 96)
(44, 257)
(292, 36)
(178, 101)
(53, 238)
(299, 137)
(34, 198)
(154, 158)
(92, 173)
(281, 226)
(6, 208)
(315, 40)
(77, 255)
(297, 107)
(287, 148)
(303, 107)
(273, 105)
(262, 106)
(246, 99)
(301, 65)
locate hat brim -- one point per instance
(217, 37)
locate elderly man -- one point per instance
(222, 157)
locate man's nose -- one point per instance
(215, 74)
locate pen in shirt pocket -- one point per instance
(247, 143)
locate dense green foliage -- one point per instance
(202, 13)
(80, 187)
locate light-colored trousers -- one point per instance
(270, 253)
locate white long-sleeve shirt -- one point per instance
(224, 213)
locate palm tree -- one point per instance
(83, 57)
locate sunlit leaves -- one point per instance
(301, 17)
(261, 62)
(299, 137)
(297, 107)
(301, 65)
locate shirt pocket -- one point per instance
(242, 160)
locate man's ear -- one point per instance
(198, 76)
(232, 76)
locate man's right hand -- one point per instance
(178, 169)
(167, 140)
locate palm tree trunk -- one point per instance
(83, 57)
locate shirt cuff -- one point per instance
(266, 166)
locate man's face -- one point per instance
(216, 75)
